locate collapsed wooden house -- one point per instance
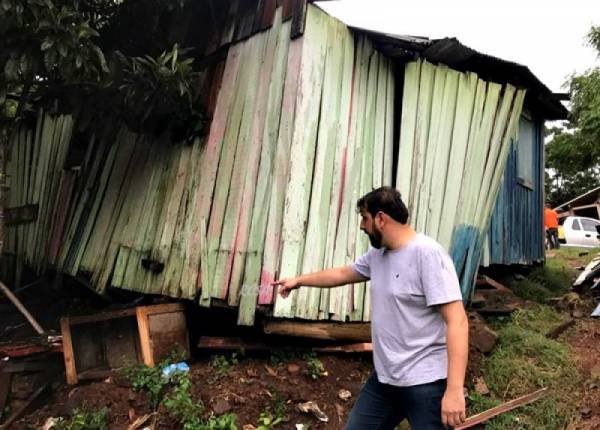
(306, 116)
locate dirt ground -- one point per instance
(584, 340)
(252, 386)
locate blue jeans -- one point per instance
(382, 406)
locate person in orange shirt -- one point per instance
(551, 226)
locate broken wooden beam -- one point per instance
(232, 343)
(36, 326)
(486, 280)
(21, 214)
(357, 332)
(5, 384)
(347, 349)
(23, 409)
(501, 409)
(555, 332)
(237, 343)
(23, 348)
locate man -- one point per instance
(419, 326)
(551, 226)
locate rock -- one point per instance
(595, 372)
(344, 394)
(271, 371)
(248, 427)
(293, 368)
(577, 313)
(481, 336)
(586, 412)
(481, 387)
(221, 406)
(50, 423)
(313, 408)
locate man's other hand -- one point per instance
(453, 408)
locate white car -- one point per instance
(579, 231)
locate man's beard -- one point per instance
(375, 239)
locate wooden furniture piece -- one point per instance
(94, 345)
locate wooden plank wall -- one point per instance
(301, 129)
(455, 135)
(518, 212)
(35, 175)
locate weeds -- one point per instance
(222, 364)
(148, 379)
(275, 412)
(174, 393)
(314, 366)
(267, 421)
(84, 419)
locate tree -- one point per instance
(573, 154)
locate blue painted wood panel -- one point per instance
(516, 232)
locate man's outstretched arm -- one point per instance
(324, 279)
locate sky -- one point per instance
(546, 36)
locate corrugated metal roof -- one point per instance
(452, 52)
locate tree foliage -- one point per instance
(101, 59)
(573, 154)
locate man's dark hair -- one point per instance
(386, 200)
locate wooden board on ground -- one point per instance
(358, 332)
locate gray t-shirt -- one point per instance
(408, 332)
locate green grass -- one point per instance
(556, 277)
(523, 361)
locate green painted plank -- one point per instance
(439, 171)
(354, 304)
(388, 175)
(379, 142)
(100, 232)
(467, 184)
(408, 123)
(479, 151)
(308, 299)
(243, 159)
(421, 138)
(128, 201)
(272, 246)
(467, 85)
(159, 232)
(189, 281)
(226, 162)
(509, 133)
(344, 245)
(302, 153)
(137, 194)
(421, 210)
(338, 187)
(207, 173)
(256, 242)
(171, 242)
(493, 161)
(239, 253)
